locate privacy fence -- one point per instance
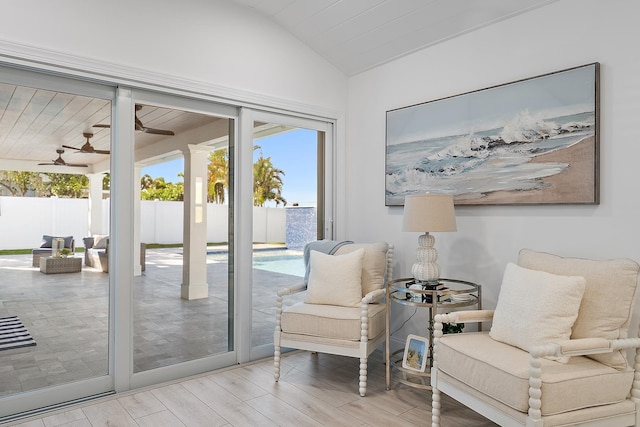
(23, 221)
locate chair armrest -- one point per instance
(373, 296)
(292, 290)
(88, 242)
(583, 347)
(465, 316)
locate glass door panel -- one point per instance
(54, 303)
(181, 292)
(285, 217)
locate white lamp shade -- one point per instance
(429, 212)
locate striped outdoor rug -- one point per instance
(13, 334)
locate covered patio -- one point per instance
(67, 315)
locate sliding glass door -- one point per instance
(55, 309)
(183, 287)
(289, 202)
(163, 204)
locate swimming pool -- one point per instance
(277, 261)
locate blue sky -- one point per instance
(293, 152)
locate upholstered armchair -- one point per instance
(556, 354)
(342, 312)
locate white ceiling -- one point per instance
(356, 35)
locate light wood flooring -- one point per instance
(314, 390)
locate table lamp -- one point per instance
(428, 213)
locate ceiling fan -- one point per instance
(87, 147)
(60, 161)
(140, 127)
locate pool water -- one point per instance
(277, 261)
(286, 264)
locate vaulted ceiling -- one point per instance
(354, 35)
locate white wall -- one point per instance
(563, 34)
(213, 42)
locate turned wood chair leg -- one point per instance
(363, 376)
(435, 407)
(276, 363)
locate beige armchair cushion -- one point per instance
(605, 310)
(535, 307)
(501, 371)
(326, 321)
(374, 263)
(335, 279)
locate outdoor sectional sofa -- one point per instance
(45, 248)
(96, 252)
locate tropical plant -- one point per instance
(267, 182)
(68, 185)
(159, 189)
(218, 176)
(19, 183)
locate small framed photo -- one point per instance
(415, 353)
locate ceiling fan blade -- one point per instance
(60, 161)
(102, 126)
(87, 148)
(158, 131)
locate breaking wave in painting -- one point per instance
(491, 160)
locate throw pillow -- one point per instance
(605, 311)
(374, 264)
(335, 279)
(47, 241)
(536, 307)
(100, 241)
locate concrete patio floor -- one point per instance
(67, 315)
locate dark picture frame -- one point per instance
(531, 141)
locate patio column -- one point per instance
(95, 203)
(194, 265)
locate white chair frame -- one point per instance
(533, 418)
(360, 349)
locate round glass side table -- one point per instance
(446, 294)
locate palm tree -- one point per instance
(267, 182)
(218, 177)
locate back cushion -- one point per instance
(609, 296)
(374, 263)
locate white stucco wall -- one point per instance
(563, 34)
(211, 42)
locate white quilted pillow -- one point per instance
(536, 307)
(335, 279)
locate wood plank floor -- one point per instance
(314, 390)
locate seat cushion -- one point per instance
(501, 371)
(535, 307)
(609, 295)
(332, 321)
(374, 263)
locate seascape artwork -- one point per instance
(532, 141)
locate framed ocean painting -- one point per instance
(532, 141)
